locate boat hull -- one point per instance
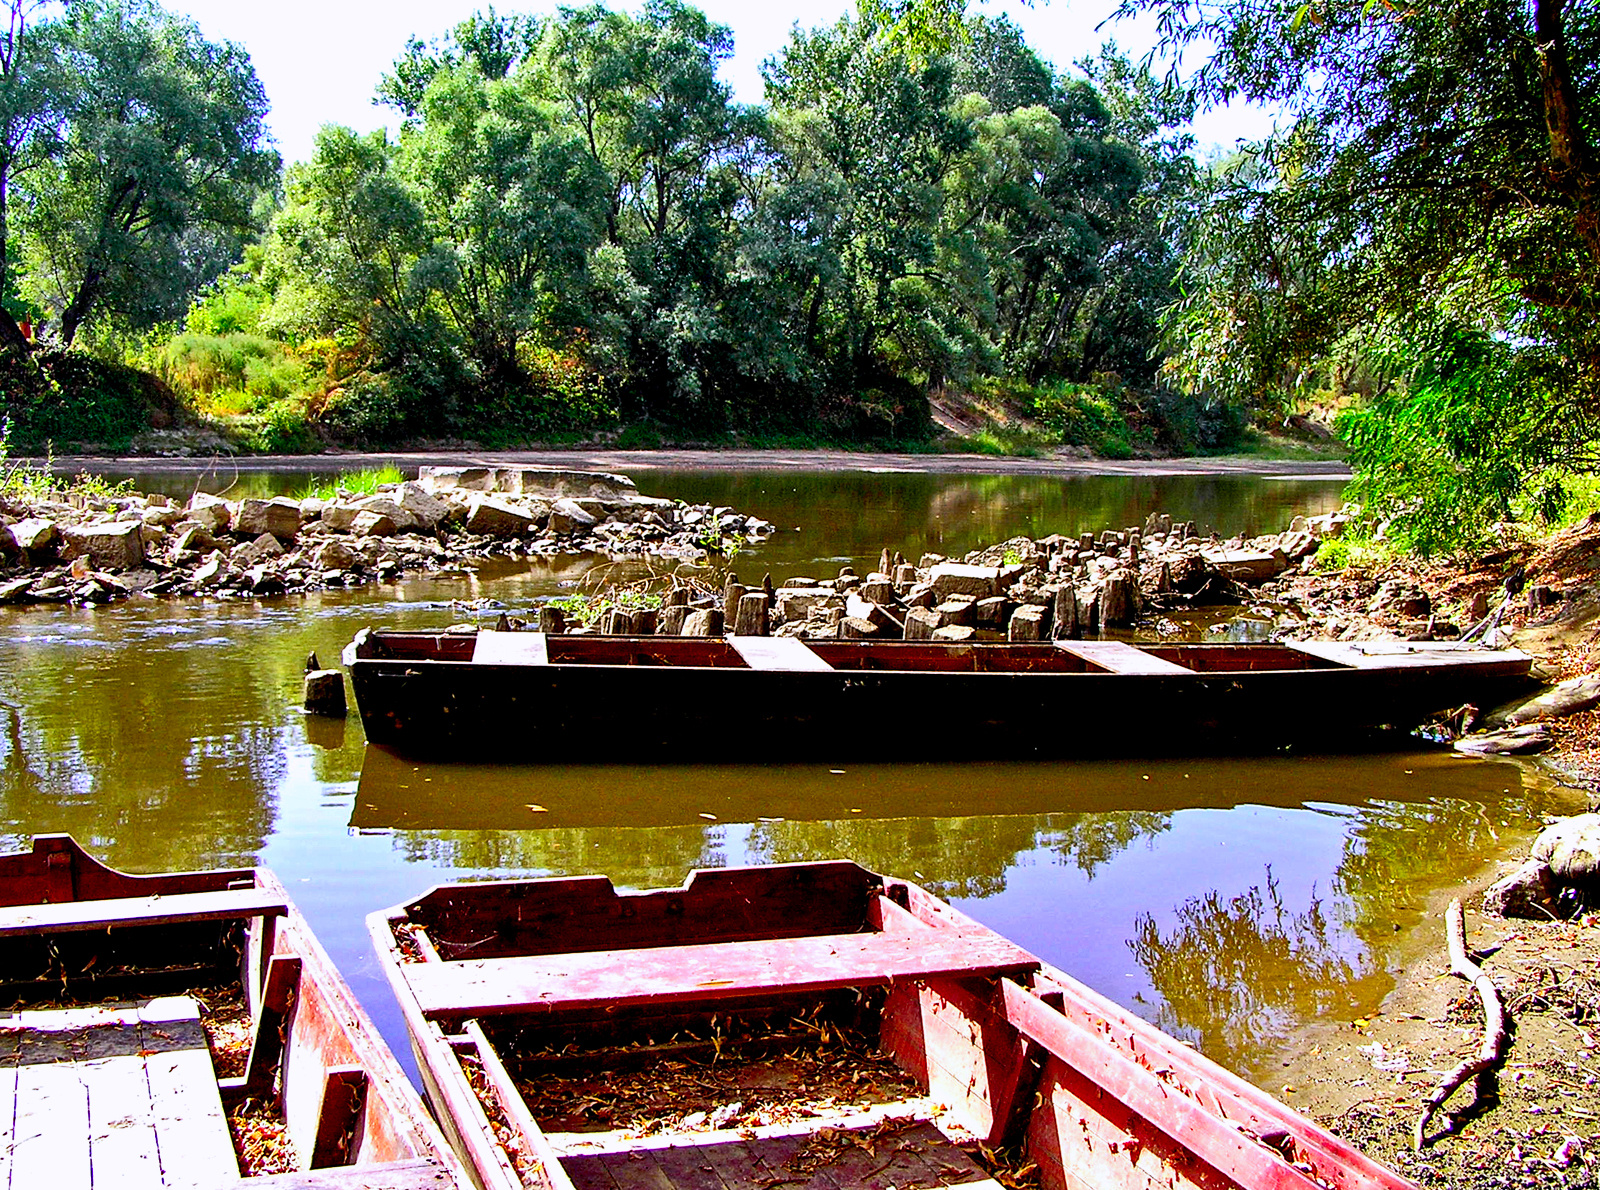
(461, 709)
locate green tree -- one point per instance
(491, 43)
(1437, 183)
(27, 135)
(513, 205)
(162, 156)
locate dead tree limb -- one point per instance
(1491, 1054)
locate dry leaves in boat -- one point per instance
(741, 1076)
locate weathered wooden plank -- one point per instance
(122, 1136)
(489, 919)
(778, 652)
(570, 1144)
(223, 905)
(709, 972)
(266, 1045)
(191, 1130)
(1231, 1097)
(344, 1095)
(590, 1172)
(1118, 657)
(8, 1092)
(686, 1166)
(1405, 654)
(636, 1171)
(50, 1139)
(511, 648)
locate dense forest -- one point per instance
(577, 231)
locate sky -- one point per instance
(320, 62)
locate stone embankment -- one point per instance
(95, 552)
(1023, 589)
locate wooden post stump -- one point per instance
(324, 693)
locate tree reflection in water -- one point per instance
(1235, 972)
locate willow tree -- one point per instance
(159, 156)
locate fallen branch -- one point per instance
(1491, 1054)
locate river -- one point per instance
(1228, 901)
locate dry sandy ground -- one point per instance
(630, 461)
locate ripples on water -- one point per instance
(1227, 901)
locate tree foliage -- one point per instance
(133, 160)
(578, 205)
(1434, 186)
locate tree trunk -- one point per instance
(1570, 157)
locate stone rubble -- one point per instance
(95, 552)
(1023, 589)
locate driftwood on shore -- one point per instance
(1491, 1053)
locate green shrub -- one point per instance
(282, 428)
(212, 371)
(69, 396)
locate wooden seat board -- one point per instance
(420, 1174)
(705, 972)
(511, 648)
(66, 916)
(113, 1096)
(1118, 657)
(783, 653)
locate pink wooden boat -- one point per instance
(504, 985)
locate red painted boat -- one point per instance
(509, 988)
(106, 1073)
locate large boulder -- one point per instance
(1248, 566)
(472, 479)
(492, 517)
(333, 555)
(370, 522)
(1119, 599)
(339, 515)
(211, 511)
(109, 545)
(37, 539)
(796, 603)
(279, 516)
(957, 578)
(568, 516)
(425, 509)
(383, 506)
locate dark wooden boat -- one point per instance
(572, 1038)
(530, 696)
(108, 1078)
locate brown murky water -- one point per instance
(1225, 900)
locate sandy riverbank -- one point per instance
(631, 461)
